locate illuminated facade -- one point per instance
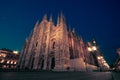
(8, 59)
(97, 57)
(54, 47)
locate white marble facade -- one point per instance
(53, 47)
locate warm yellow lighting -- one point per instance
(101, 57)
(98, 57)
(2, 61)
(94, 48)
(8, 62)
(15, 52)
(89, 49)
(15, 62)
(11, 62)
(3, 55)
(104, 61)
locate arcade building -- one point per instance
(8, 59)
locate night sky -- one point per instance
(99, 19)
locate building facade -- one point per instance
(54, 47)
(8, 59)
(96, 57)
(117, 62)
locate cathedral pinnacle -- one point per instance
(45, 17)
(37, 23)
(50, 18)
(58, 20)
(73, 30)
(61, 18)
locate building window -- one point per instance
(42, 65)
(71, 53)
(53, 45)
(36, 44)
(52, 63)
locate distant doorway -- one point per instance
(42, 64)
(53, 63)
(32, 63)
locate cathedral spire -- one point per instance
(58, 20)
(37, 23)
(69, 28)
(61, 18)
(50, 18)
(73, 30)
(45, 17)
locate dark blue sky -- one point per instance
(90, 18)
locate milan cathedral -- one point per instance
(54, 47)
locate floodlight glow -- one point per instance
(15, 52)
(89, 49)
(94, 48)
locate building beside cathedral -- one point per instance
(8, 58)
(117, 62)
(54, 47)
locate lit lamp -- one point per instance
(11, 62)
(89, 49)
(8, 62)
(15, 62)
(15, 52)
(93, 48)
(98, 57)
(2, 61)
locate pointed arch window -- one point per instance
(53, 45)
(36, 44)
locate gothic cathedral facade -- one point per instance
(53, 47)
